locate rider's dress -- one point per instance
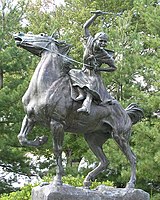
(88, 78)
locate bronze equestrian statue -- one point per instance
(48, 101)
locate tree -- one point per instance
(13, 81)
(133, 30)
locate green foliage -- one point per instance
(78, 181)
(155, 197)
(25, 192)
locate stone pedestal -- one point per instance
(67, 192)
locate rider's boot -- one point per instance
(81, 95)
(86, 104)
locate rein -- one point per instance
(66, 57)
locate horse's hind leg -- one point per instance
(58, 137)
(95, 142)
(27, 126)
(126, 149)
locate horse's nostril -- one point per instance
(18, 39)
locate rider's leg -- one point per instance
(86, 104)
(81, 94)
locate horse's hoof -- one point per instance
(87, 184)
(43, 139)
(57, 182)
(130, 185)
(40, 141)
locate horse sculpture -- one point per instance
(48, 102)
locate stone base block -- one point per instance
(67, 192)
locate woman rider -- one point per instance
(88, 80)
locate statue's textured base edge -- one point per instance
(67, 192)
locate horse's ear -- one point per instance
(55, 35)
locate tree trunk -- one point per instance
(1, 78)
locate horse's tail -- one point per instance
(135, 113)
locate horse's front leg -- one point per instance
(27, 126)
(58, 137)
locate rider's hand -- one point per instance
(89, 67)
(96, 69)
(90, 57)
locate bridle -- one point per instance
(52, 51)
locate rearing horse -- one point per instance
(48, 102)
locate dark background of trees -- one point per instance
(135, 37)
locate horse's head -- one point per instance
(36, 44)
(33, 43)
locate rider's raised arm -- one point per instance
(90, 21)
(87, 25)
